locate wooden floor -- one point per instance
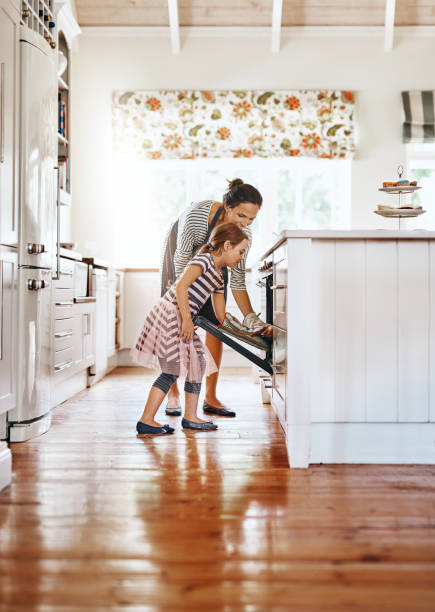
(97, 519)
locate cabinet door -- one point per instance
(111, 312)
(8, 124)
(8, 267)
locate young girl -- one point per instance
(168, 339)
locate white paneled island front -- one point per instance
(354, 345)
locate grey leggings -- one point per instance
(165, 381)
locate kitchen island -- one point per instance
(354, 345)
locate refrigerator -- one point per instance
(38, 237)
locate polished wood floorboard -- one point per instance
(98, 519)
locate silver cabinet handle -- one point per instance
(57, 277)
(2, 111)
(273, 287)
(66, 273)
(35, 249)
(36, 285)
(63, 366)
(64, 303)
(63, 334)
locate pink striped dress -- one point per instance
(159, 345)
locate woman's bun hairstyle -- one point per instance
(234, 183)
(239, 192)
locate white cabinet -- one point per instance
(111, 312)
(74, 321)
(100, 292)
(354, 346)
(9, 24)
(8, 276)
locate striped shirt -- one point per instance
(192, 233)
(210, 281)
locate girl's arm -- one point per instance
(218, 300)
(181, 290)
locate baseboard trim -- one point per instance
(391, 443)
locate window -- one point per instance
(421, 167)
(299, 193)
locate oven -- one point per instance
(271, 279)
(264, 343)
(265, 282)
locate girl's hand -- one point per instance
(186, 330)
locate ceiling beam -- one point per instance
(276, 25)
(174, 25)
(390, 9)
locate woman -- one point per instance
(241, 203)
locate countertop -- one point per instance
(350, 235)
(94, 261)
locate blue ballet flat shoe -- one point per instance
(209, 426)
(142, 428)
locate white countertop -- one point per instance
(351, 235)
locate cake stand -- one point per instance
(400, 213)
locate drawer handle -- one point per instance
(63, 334)
(63, 366)
(273, 287)
(66, 273)
(85, 300)
(64, 303)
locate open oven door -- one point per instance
(225, 336)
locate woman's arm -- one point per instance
(218, 300)
(181, 291)
(242, 300)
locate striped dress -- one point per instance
(159, 345)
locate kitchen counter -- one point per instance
(354, 346)
(350, 235)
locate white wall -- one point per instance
(106, 64)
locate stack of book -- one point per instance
(63, 173)
(62, 127)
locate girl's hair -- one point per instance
(239, 192)
(222, 233)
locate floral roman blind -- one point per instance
(192, 124)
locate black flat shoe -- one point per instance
(143, 428)
(209, 426)
(173, 411)
(208, 409)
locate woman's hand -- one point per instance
(186, 330)
(253, 322)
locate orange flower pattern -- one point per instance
(172, 142)
(292, 103)
(311, 141)
(153, 104)
(242, 153)
(192, 124)
(242, 109)
(223, 133)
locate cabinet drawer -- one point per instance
(63, 309)
(63, 360)
(63, 295)
(63, 324)
(63, 338)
